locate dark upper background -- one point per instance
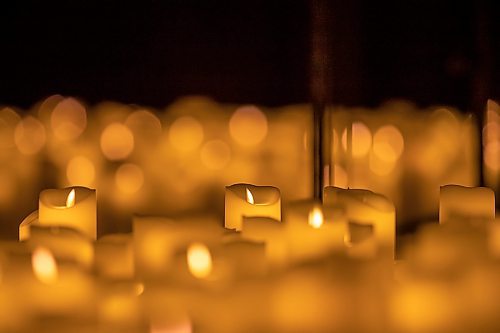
(152, 51)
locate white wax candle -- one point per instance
(364, 207)
(245, 200)
(314, 230)
(460, 202)
(73, 207)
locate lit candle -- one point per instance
(70, 207)
(244, 200)
(460, 202)
(314, 230)
(366, 210)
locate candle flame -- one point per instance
(44, 265)
(316, 218)
(70, 200)
(199, 260)
(250, 199)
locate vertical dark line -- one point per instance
(319, 78)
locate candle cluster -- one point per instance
(150, 221)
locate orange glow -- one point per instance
(249, 195)
(492, 155)
(380, 166)
(117, 141)
(29, 136)
(129, 178)
(248, 126)
(68, 119)
(316, 218)
(181, 326)
(186, 134)
(70, 200)
(388, 143)
(199, 260)
(215, 154)
(361, 139)
(44, 265)
(340, 178)
(80, 171)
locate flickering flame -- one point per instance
(316, 218)
(44, 265)
(250, 199)
(70, 200)
(199, 260)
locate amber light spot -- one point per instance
(70, 200)
(44, 265)
(199, 260)
(316, 218)
(250, 198)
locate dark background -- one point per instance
(151, 51)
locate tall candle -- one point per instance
(73, 207)
(244, 200)
(369, 209)
(460, 202)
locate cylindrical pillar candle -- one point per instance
(73, 207)
(460, 202)
(366, 208)
(245, 200)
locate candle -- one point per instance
(314, 230)
(25, 226)
(70, 207)
(365, 210)
(244, 200)
(460, 202)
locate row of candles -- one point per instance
(308, 265)
(179, 159)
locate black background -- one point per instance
(150, 52)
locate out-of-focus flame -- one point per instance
(70, 200)
(316, 218)
(250, 198)
(199, 260)
(44, 265)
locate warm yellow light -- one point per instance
(388, 143)
(80, 171)
(70, 200)
(215, 154)
(129, 178)
(248, 126)
(492, 155)
(361, 139)
(340, 178)
(250, 199)
(316, 218)
(186, 134)
(29, 136)
(44, 265)
(117, 141)
(68, 119)
(199, 260)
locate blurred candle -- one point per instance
(460, 202)
(244, 200)
(368, 209)
(70, 207)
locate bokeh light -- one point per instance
(8, 121)
(29, 136)
(361, 139)
(215, 154)
(248, 126)
(44, 265)
(199, 260)
(186, 134)
(388, 143)
(129, 178)
(80, 171)
(68, 119)
(117, 141)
